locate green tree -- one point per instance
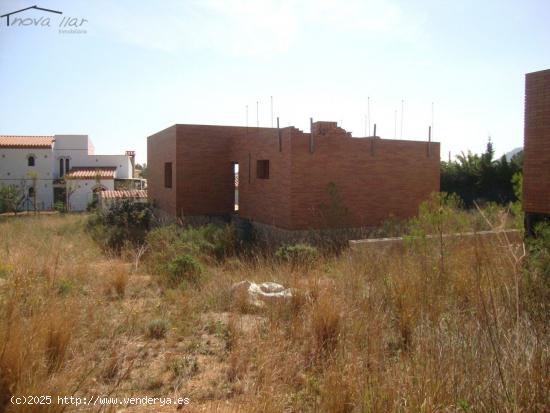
(142, 168)
(481, 178)
(11, 198)
(123, 222)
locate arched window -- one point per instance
(31, 192)
(30, 160)
(67, 165)
(61, 163)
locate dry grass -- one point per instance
(119, 281)
(363, 333)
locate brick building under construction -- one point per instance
(287, 178)
(536, 149)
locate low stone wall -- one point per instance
(398, 243)
(269, 235)
(164, 218)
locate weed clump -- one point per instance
(536, 277)
(184, 268)
(183, 367)
(111, 368)
(157, 329)
(176, 253)
(64, 287)
(326, 325)
(4, 270)
(212, 240)
(57, 342)
(208, 242)
(119, 282)
(298, 254)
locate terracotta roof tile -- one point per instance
(90, 172)
(10, 141)
(134, 193)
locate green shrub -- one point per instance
(186, 366)
(64, 287)
(167, 245)
(184, 268)
(211, 240)
(157, 329)
(539, 250)
(441, 213)
(124, 222)
(59, 207)
(11, 198)
(298, 254)
(4, 270)
(206, 241)
(92, 205)
(516, 207)
(163, 245)
(536, 274)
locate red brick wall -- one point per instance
(161, 148)
(536, 162)
(205, 171)
(264, 200)
(375, 178)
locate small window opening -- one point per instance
(236, 186)
(30, 161)
(168, 174)
(262, 169)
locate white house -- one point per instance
(62, 168)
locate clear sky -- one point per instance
(143, 65)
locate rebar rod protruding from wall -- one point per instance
(279, 136)
(429, 141)
(311, 143)
(373, 137)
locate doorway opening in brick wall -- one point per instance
(235, 166)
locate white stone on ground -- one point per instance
(258, 295)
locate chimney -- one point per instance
(132, 155)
